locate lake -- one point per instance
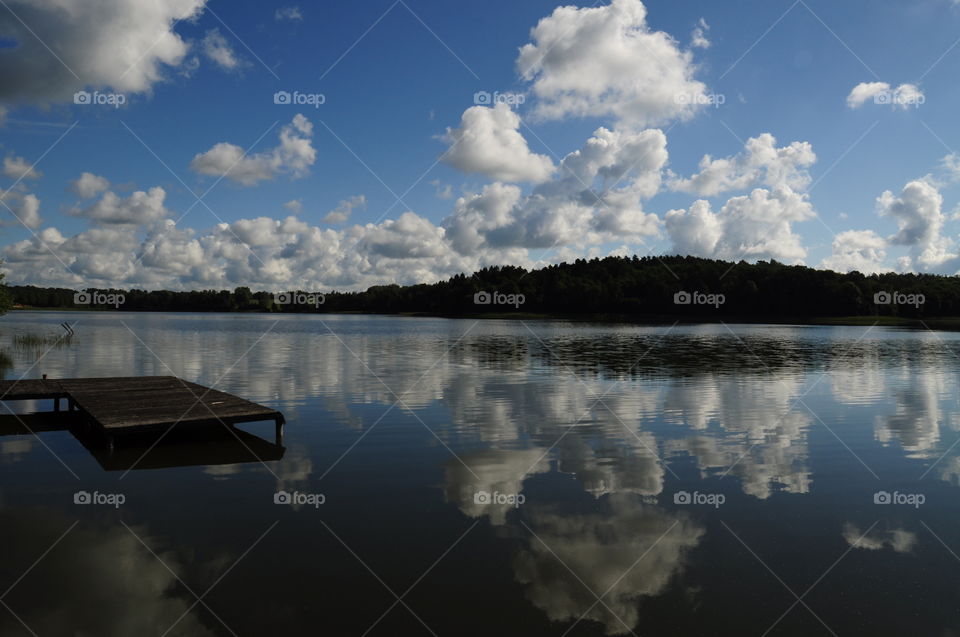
(456, 477)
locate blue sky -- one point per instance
(479, 184)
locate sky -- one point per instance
(197, 144)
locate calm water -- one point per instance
(499, 478)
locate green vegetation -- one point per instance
(6, 300)
(28, 341)
(614, 287)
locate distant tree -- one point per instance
(641, 287)
(6, 300)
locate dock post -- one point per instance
(56, 404)
(279, 431)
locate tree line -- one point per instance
(671, 286)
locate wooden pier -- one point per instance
(123, 405)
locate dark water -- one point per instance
(495, 478)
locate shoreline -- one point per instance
(946, 323)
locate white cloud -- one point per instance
(489, 142)
(294, 156)
(698, 38)
(606, 61)
(908, 95)
(342, 212)
(262, 252)
(754, 226)
(112, 43)
(920, 219)
(288, 13)
(88, 185)
(594, 197)
(695, 232)
(138, 209)
(443, 191)
(760, 163)
(903, 97)
(19, 168)
(219, 51)
(865, 91)
(860, 250)
(294, 205)
(24, 207)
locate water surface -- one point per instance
(494, 477)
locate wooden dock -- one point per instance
(122, 405)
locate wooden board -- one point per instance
(30, 389)
(140, 403)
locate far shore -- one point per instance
(948, 323)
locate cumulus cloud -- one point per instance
(594, 197)
(88, 185)
(260, 252)
(341, 213)
(138, 209)
(218, 50)
(489, 142)
(903, 97)
(294, 155)
(865, 91)
(113, 43)
(288, 13)
(294, 205)
(24, 208)
(919, 216)
(754, 226)
(606, 61)
(19, 168)
(760, 163)
(860, 250)
(695, 231)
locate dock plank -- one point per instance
(120, 404)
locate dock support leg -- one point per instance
(56, 404)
